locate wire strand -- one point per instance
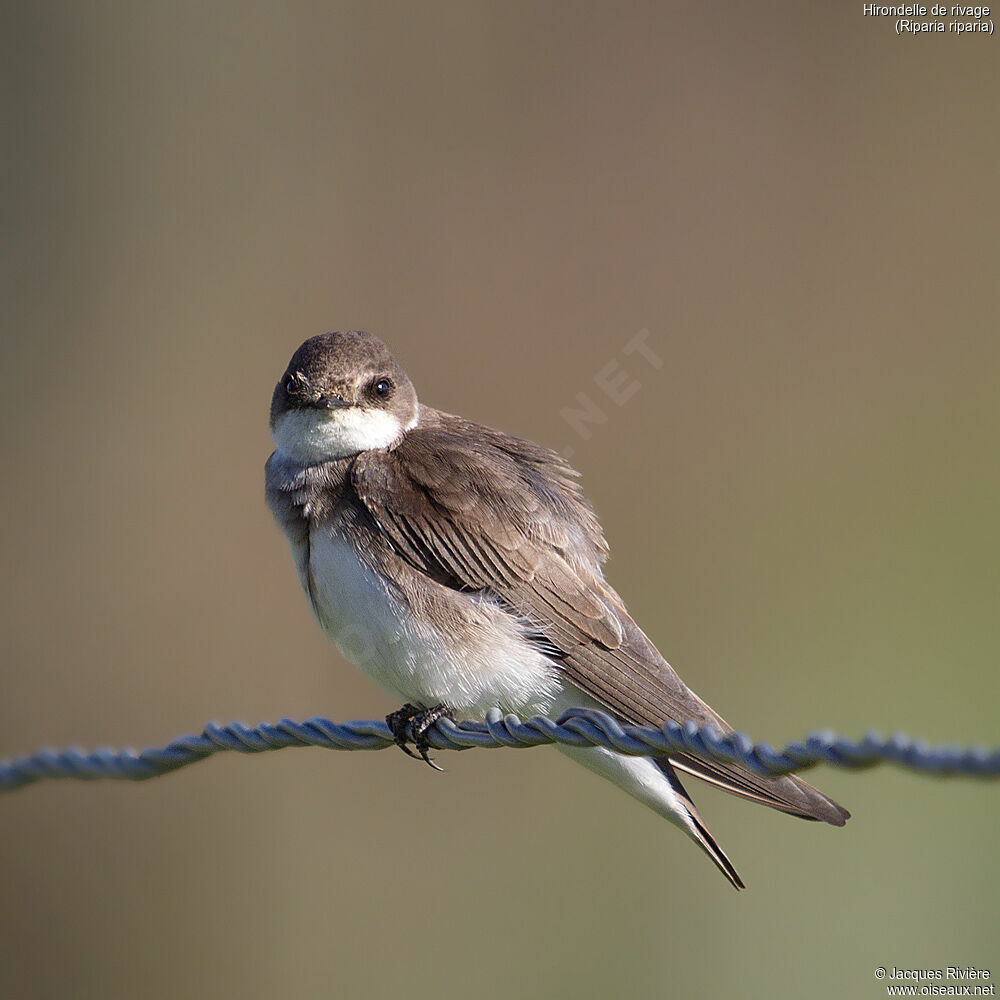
(576, 727)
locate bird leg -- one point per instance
(412, 722)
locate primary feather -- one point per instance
(509, 517)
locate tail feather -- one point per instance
(699, 832)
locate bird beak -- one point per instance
(334, 401)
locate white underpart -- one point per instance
(494, 665)
(499, 667)
(638, 776)
(317, 435)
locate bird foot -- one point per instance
(411, 722)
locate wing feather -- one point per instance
(480, 510)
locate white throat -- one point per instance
(313, 435)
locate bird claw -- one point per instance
(413, 722)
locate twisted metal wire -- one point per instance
(576, 727)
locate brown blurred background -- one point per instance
(801, 209)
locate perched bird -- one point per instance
(461, 568)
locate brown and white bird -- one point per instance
(461, 568)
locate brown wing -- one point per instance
(484, 511)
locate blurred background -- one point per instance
(801, 210)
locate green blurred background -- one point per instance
(801, 209)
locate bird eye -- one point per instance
(290, 386)
(383, 387)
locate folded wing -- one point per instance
(478, 510)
